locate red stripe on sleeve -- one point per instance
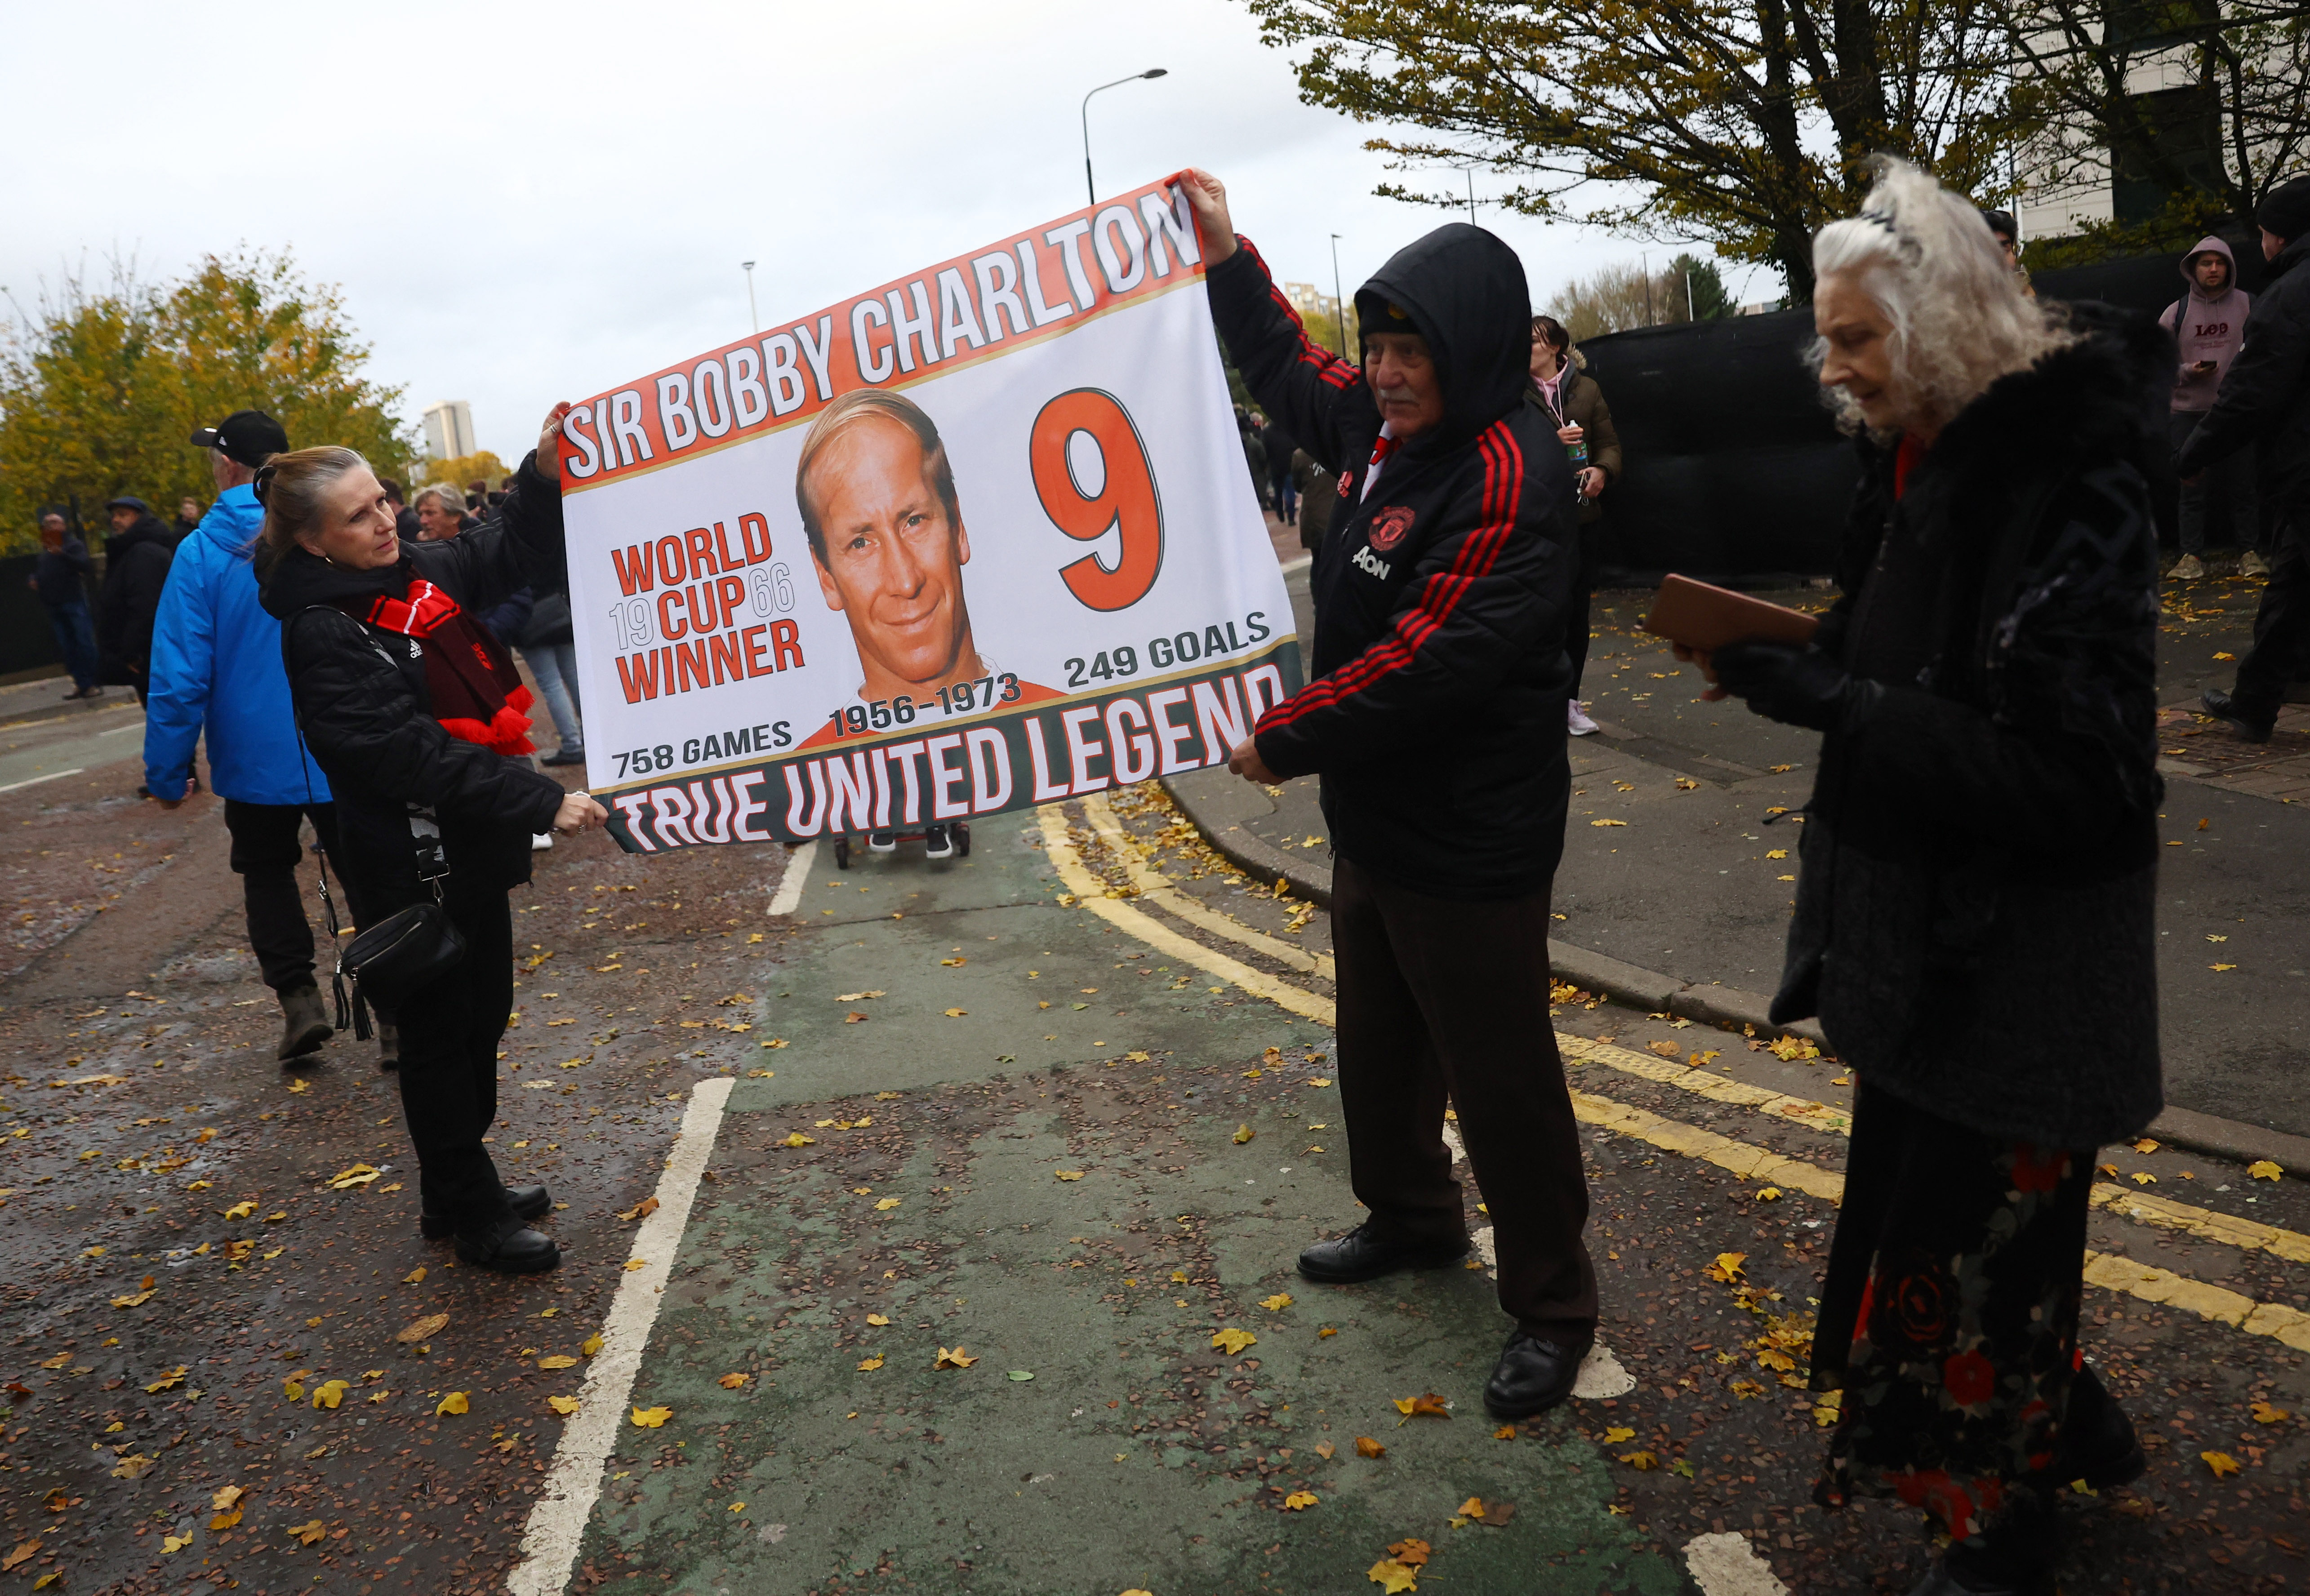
(1439, 594)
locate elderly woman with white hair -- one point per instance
(1974, 913)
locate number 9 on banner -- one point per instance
(1126, 496)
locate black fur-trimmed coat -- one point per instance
(1975, 916)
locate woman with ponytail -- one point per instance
(415, 712)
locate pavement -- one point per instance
(930, 1227)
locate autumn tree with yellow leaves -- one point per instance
(101, 387)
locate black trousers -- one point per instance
(2281, 655)
(265, 854)
(1584, 587)
(1445, 1000)
(449, 1036)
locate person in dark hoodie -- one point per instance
(2209, 324)
(60, 573)
(2264, 400)
(1974, 914)
(136, 558)
(1436, 718)
(414, 711)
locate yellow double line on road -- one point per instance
(2112, 1271)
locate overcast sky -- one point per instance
(527, 203)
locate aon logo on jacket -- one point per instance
(1367, 560)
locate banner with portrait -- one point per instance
(979, 539)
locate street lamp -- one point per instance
(1152, 72)
(749, 294)
(1339, 301)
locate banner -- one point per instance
(979, 539)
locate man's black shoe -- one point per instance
(388, 1046)
(528, 1202)
(2249, 727)
(509, 1247)
(1359, 1255)
(565, 756)
(936, 843)
(2098, 1443)
(1533, 1375)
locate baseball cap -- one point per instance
(247, 436)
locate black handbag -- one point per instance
(403, 954)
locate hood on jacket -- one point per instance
(2209, 246)
(233, 522)
(145, 529)
(1465, 290)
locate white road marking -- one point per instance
(1726, 1564)
(790, 885)
(117, 730)
(1301, 564)
(36, 780)
(557, 1523)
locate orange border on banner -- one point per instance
(823, 357)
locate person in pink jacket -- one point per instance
(2209, 323)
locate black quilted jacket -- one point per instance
(361, 702)
(1436, 709)
(1975, 916)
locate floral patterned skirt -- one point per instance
(1949, 1316)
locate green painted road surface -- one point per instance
(1097, 1442)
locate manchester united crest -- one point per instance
(1389, 526)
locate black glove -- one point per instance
(1800, 687)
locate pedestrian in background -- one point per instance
(416, 713)
(1276, 448)
(2264, 401)
(60, 576)
(1318, 489)
(188, 517)
(549, 647)
(404, 519)
(136, 558)
(1438, 670)
(2007, 234)
(1975, 913)
(1560, 385)
(1254, 457)
(2209, 324)
(216, 671)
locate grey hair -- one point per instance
(1960, 318)
(452, 497)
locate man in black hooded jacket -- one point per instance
(1435, 716)
(136, 560)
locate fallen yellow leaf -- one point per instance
(418, 1330)
(416, 1277)
(1391, 1576)
(1068, 1174)
(1727, 1267)
(956, 1013)
(869, 1365)
(1244, 1133)
(589, 1345)
(953, 1359)
(172, 1544)
(641, 1211)
(559, 1361)
(1640, 1461)
(886, 1205)
(2263, 1169)
(309, 1533)
(1427, 1405)
(1275, 1304)
(878, 1320)
(1507, 1432)
(733, 1382)
(652, 1418)
(238, 1210)
(635, 1264)
(454, 1402)
(1615, 1435)
(1232, 1342)
(2264, 1413)
(331, 1392)
(565, 1406)
(1607, 822)
(797, 1139)
(1299, 1501)
(1367, 1447)
(2221, 1462)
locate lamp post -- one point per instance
(749, 294)
(1152, 72)
(1339, 301)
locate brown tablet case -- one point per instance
(1704, 618)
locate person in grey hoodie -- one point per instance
(2209, 324)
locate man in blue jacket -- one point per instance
(216, 665)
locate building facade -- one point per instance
(450, 430)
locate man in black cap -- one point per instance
(1435, 717)
(136, 569)
(217, 671)
(2264, 400)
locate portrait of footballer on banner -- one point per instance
(888, 545)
